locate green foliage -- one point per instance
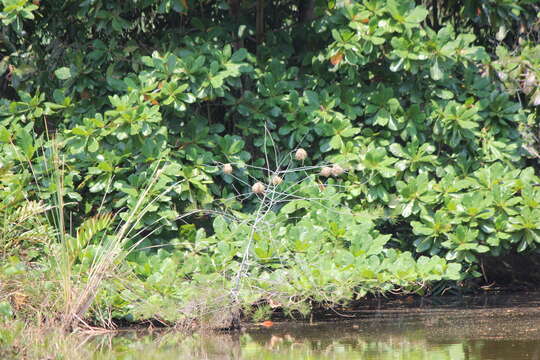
(518, 70)
(435, 132)
(6, 312)
(23, 229)
(297, 258)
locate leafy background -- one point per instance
(430, 107)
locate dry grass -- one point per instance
(114, 249)
(77, 291)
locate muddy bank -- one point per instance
(494, 326)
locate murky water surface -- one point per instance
(488, 327)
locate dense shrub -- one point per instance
(426, 119)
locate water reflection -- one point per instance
(476, 332)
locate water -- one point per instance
(489, 327)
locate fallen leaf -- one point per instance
(152, 101)
(336, 59)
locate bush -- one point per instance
(424, 122)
